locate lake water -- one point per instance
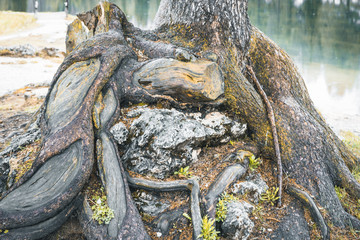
(322, 37)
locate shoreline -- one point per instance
(49, 31)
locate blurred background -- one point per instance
(321, 36)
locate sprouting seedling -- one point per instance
(270, 195)
(184, 172)
(254, 163)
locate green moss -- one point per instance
(101, 211)
(351, 205)
(352, 141)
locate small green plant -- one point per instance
(352, 141)
(221, 206)
(101, 211)
(351, 205)
(341, 193)
(184, 172)
(356, 173)
(221, 211)
(208, 231)
(254, 163)
(270, 196)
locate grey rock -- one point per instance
(120, 132)
(150, 204)
(23, 50)
(32, 134)
(162, 141)
(4, 172)
(237, 224)
(254, 186)
(238, 129)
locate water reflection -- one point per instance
(141, 12)
(322, 36)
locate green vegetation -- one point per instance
(208, 231)
(352, 141)
(15, 21)
(254, 163)
(184, 173)
(101, 211)
(356, 173)
(351, 205)
(258, 212)
(270, 196)
(221, 206)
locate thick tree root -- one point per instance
(44, 228)
(45, 195)
(180, 185)
(227, 177)
(308, 202)
(271, 117)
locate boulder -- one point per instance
(237, 224)
(162, 140)
(253, 186)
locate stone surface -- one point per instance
(150, 204)
(22, 50)
(4, 172)
(32, 134)
(254, 186)
(119, 132)
(162, 141)
(237, 224)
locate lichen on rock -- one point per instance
(237, 224)
(162, 140)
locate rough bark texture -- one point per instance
(103, 71)
(312, 154)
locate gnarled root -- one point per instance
(180, 185)
(308, 202)
(226, 177)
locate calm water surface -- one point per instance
(322, 37)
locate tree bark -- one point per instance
(213, 43)
(311, 153)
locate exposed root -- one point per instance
(227, 177)
(271, 117)
(305, 199)
(180, 185)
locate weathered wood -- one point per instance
(185, 81)
(102, 70)
(42, 229)
(311, 153)
(180, 185)
(228, 176)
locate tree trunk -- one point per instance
(312, 155)
(204, 52)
